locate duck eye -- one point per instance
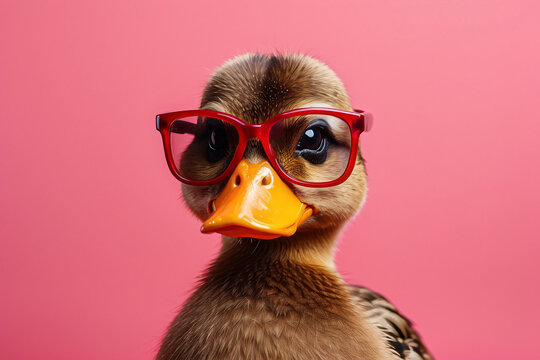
(313, 144)
(217, 143)
(214, 138)
(311, 139)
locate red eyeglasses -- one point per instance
(314, 147)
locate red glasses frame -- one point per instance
(358, 122)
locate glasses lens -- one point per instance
(313, 148)
(202, 147)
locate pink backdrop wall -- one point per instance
(97, 251)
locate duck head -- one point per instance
(256, 200)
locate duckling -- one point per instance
(273, 292)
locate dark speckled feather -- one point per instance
(396, 328)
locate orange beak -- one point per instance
(256, 203)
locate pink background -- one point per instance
(97, 251)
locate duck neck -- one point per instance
(304, 248)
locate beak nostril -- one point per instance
(266, 180)
(211, 207)
(237, 180)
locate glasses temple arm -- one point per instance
(179, 126)
(366, 123)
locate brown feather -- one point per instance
(257, 303)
